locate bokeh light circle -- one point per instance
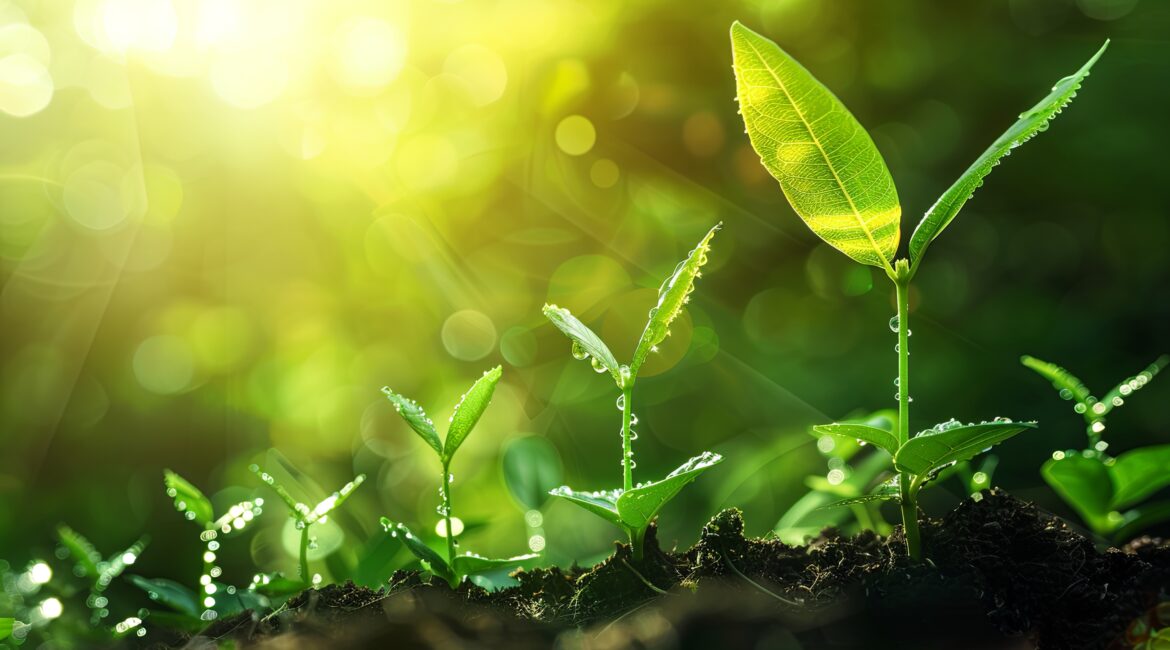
(164, 364)
(25, 85)
(575, 135)
(469, 335)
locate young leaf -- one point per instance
(333, 501)
(864, 498)
(469, 563)
(1139, 473)
(1063, 381)
(81, 549)
(1085, 485)
(188, 498)
(585, 342)
(672, 295)
(1030, 122)
(934, 448)
(416, 417)
(638, 506)
(169, 593)
(873, 435)
(6, 627)
(114, 567)
(602, 504)
(277, 585)
(296, 508)
(469, 410)
(1135, 383)
(432, 560)
(826, 163)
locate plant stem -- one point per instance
(305, 554)
(447, 515)
(908, 497)
(627, 447)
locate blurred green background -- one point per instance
(224, 226)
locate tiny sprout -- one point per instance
(454, 568)
(633, 507)
(837, 182)
(1109, 493)
(90, 565)
(304, 516)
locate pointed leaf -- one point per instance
(873, 435)
(334, 501)
(1133, 384)
(1139, 473)
(864, 498)
(188, 499)
(81, 550)
(278, 585)
(113, 567)
(1030, 122)
(469, 410)
(603, 504)
(416, 417)
(169, 593)
(826, 163)
(296, 508)
(1085, 485)
(433, 561)
(934, 448)
(469, 563)
(584, 339)
(1065, 382)
(639, 505)
(672, 296)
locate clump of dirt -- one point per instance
(996, 573)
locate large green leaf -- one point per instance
(1063, 381)
(950, 443)
(416, 417)
(1030, 122)
(826, 163)
(468, 411)
(672, 296)
(1116, 396)
(585, 342)
(432, 560)
(1140, 518)
(1139, 473)
(638, 506)
(1085, 485)
(169, 593)
(531, 467)
(603, 503)
(81, 550)
(188, 499)
(470, 564)
(873, 435)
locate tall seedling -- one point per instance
(454, 568)
(837, 182)
(633, 506)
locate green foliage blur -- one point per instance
(225, 226)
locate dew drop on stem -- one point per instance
(894, 324)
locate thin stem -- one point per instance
(305, 554)
(909, 497)
(627, 447)
(447, 515)
(641, 577)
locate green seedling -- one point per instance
(99, 572)
(454, 568)
(1109, 493)
(201, 604)
(304, 517)
(836, 181)
(633, 506)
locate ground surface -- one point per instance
(998, 574)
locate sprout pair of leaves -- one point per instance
(633, 507)
(921, 458)
(304, 517)
(99, 572)
(1108, 493)
(828, 166)
(454, 568)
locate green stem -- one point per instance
(447, 515)
(627, 447)
(909, 497)
(305, 554)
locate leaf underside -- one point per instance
(873, 435)
(169, 593)
(1062, 380)
(435, 562)
(417, 418)
(1030, 123)
(829, 168)
(469, 410)
(1084, 484)
(672, 296)
(472, 564)
(191, 498)
(932, 449)
(638, 506)
(582, 336)
(602, 504)
(1139, 473)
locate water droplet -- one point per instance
(1099, 408)
(598, 366)
(1080, 407)
(1066, 393)
(621, 402)
(1097, 426)
(894, 324)
(579, 352)
(897, 381)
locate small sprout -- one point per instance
(837, 182)
(1109, 493)
(633, 507)
(454, 568)
(99, 572)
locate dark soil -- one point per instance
(997, 573)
